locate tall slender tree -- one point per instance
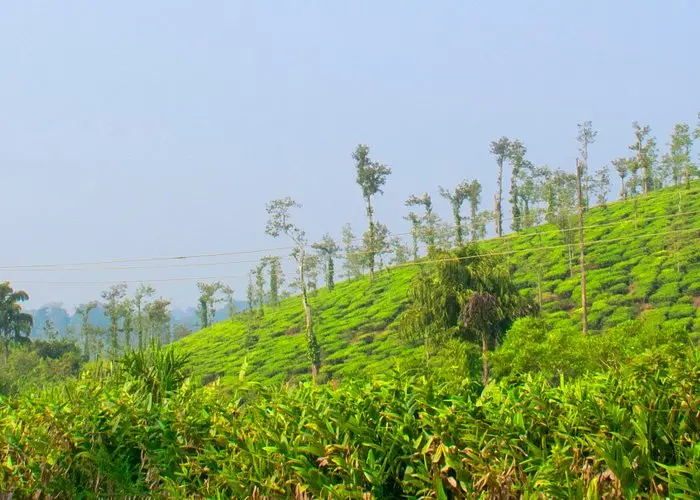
(230, 303)
(279, 223)
(401, 251)
(586, 136)
(143, 292)
(113, 304)
(127, 322)
(621, 165)
(353, 256)
(678, 156)
(328, 249)
(457, 197)
(500, 149)
(516, 155)
(275, 277)
(429, 221)
(416, 229)
(582, 258)
(87, 331)
(260, 286)
(559, 193)
(599, 185)
(477, 220)
(158, 319)
(250, 294)
(371, 176)
(207, 301)
(644, 148)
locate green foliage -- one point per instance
(161, 369)
(678, 311)
(39, 364)
(371, 177)
(613, 414)
(630, 432)
(666, 294)
(461, 193)
(15, 324)
(623, 275)
(535, 345)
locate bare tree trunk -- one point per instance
(623, 189)
(311, 342)
(370, 253)
(539, 278)
(584, 175)
(584, 317)
(115, 336)
(414, 235)
(499, 201)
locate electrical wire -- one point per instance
(420, 262)
(91, 266)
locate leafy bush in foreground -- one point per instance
(632, 431)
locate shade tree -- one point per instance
(280, 223)
(457, 197)
(371, 177)
(328, 249)
(586, 136)
(500, 149)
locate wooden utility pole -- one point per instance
(584, 317)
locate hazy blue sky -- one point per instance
(138, 129)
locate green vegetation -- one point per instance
(491, 369)
(139, 427)
(638, 267)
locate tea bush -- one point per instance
(645, 267)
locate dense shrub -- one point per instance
(39, 364)
(677, 311)
(666, 294)
(668, 275)
(533, 345)
(632, 431)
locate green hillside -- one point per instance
(642, 259)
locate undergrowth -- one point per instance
(117, 431)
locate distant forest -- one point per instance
(66, 325)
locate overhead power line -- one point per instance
(93, 265)
(419, 262)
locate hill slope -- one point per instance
(643, 261)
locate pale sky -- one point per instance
(148, 129)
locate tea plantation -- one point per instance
(642, 261)
(614, 414)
